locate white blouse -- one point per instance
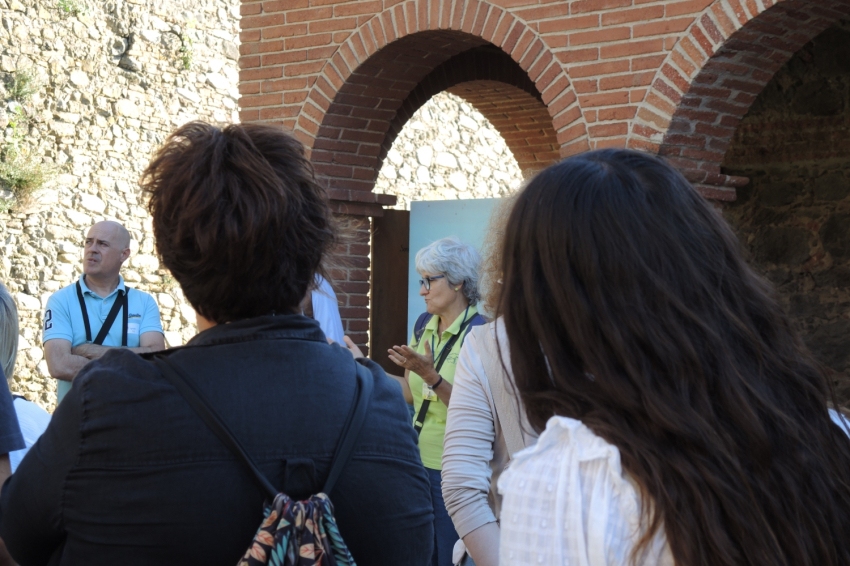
(567, 501)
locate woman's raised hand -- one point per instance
(423, 365)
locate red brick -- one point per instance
(249, 115)
(307, 41)
(631, 48)
(457, 14)
(545, 12)
(256, 47)
(637, 94)
(582, 6)
(334, 24)
(693, 7)
(702, 40)
(566, 24)
(309, 14)
(445, 13)
(618, 113)
(500, 34)
(667, 90)
(494, 19)
(263, 21)
(711, 29)
(513, 36)
(250, 9)
(633, 15)
(626, 81)
(295, 70)
(655, 101)
(246, 75)
(249, 88)
(555, 88)
(675, 77)
(278, 112)
(283, 5)
(481, 18)
(605, 35)
(604, 99)
(389, 27)
(727, 26)
(599, 68)
(356, 8)
(608, 130)
(283, 57)
(579, 55)
(692, 51)
(283, 85)
(571, 134)
(586, 85)
(250, 35)
(662, 27)
(253, 100)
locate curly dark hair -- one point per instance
(239, 218)
(628, 306)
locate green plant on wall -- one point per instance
(21, 173)
(186, 51)
(22, 85)
(71, 7)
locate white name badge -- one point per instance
(428, 393)
(132, 328)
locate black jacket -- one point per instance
(127, 473)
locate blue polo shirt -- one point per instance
(64, 319)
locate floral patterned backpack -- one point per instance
(293, 533)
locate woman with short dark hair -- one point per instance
(127, 472)
(685, 422)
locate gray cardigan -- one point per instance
(475, 451)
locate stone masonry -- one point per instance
(447, 151)
(111, 81)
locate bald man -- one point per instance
(98, 312)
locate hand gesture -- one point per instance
(423, 365)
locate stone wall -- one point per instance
(110, 83)
(447, 151)
(794, 216)
(111, 80)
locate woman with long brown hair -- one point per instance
(685, 422)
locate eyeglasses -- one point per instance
(427, 281)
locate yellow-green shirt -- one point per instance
(434, 429)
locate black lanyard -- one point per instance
(419, 422)
(120, 301)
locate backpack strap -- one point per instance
(353, 423)
(419, 327)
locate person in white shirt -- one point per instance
(325, 310)
(682, 419)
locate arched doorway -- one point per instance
(794, 215)
(368, 92)
(714, 74)
(754, 107)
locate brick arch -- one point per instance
(350, 111)
(712, 76)
(496, 86)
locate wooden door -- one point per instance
(390, 256)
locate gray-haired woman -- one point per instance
(449, 286)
